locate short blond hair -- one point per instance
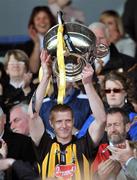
(60, 108)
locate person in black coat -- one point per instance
(118, 61)
(23, 170)
(19, 86)
(113, 60)
(20, 147)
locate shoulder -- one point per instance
(82, 96)
(10, 137)
(127, 58)
(125, 41)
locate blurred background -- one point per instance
(14, 14)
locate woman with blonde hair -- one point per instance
(121, 40)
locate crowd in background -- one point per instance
(101, 133)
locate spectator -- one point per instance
(19, 119)
(23, 170)
(41, 20)
(117, 126)
(113, 60)
(122, 41)
(19, 146)
(116, 88)
(115, 92)
(127, 157)
(19, 87)
(17, 143)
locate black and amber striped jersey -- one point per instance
(69, 161)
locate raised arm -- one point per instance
(96, 129)
(36, 124)
(46, 64)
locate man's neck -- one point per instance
(64, 140)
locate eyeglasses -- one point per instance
(115, 90)
(17, 63)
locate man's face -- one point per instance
(19, 121)
(101, 37)
(63, 124)
(116, 130)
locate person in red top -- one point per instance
(117, 126)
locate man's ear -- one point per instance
(128, 127)
(51, 123)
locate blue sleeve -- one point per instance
(85, 127)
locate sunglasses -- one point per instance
(115, 90)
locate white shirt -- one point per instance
(16, 84)
(104, 59)
(41, 38)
